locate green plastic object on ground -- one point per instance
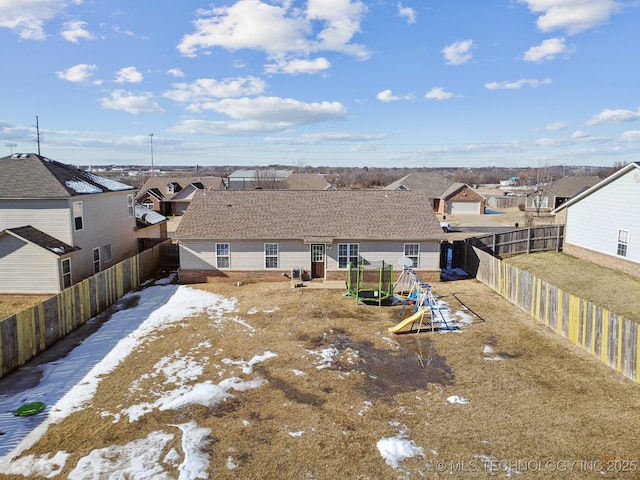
(29, 409)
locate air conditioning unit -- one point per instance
(296, 273)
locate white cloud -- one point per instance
(324, 137)
(297, 66)
(572, 16)
(556, 126)
(630, 136)
(387, 96)
(128, 75)
(205, 90)
(279, 110)
(278, 29)
(78, 73)
(128, 102)
(517, 85)
(407, 12)
(75, 30)
(614, 116)
(578, 134)
(548, 50)
(438, 93)
(458, 52)
(176, 72)
(27, 17)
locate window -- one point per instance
(78, 223)
(222, 255)
(131, 205)
(66, 273)
(148, 203)
(106, 252)
(623, 242)
(412, 251)
(270, 255)
(96, 260)
(348, 253)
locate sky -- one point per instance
(70, 383)
(342, 83)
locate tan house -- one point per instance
(172, 195)
(445, 196)
(266, 234)
(554, 194)
(59, 224)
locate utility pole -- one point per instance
(153, 172)
(10, 145)
(37, 125)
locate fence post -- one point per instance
(528, 239)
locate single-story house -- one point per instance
(172, 195)
(554, 194)
(266, 234)
(602, 224)
(445, 196)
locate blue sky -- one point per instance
(416, 83)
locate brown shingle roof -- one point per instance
(432, 183)
(570, 186)
(287, 214)
(157, 186)
(41, 239)
(49, 179)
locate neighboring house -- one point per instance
(260, 234)
(554, 194)
(305, 181)
(445, 196)
(59, 224)
(266, 179)
(172, 195)
(602, 224)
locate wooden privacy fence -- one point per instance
(542, 238)
(25, 334)
(607, 336)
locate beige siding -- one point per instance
(249, 256)
(27, 268)
(50, 216)
(106, 221)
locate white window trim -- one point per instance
(228, 256)
(81, 216)
(268, 256)
(349, 255)
(68, 275)
(97, 262)
(622, 242)
(416, 263)
(131, 205)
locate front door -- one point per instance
(317, 261)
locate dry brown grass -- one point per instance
(545, 400)
(12, 304)
(607, 288)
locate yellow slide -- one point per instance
(409, 320)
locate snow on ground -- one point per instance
(70, 383)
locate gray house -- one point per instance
(445, 196)
(602, 224)
(59, 224)
(265, 234)
(556, 193)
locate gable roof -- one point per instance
(611, 178)
(41, 239)
(305, 181)
(157, 186)
(570, 186)
(431, 183)
(310, 215)
(49, 179)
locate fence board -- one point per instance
(612, 339)
(28, 333)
